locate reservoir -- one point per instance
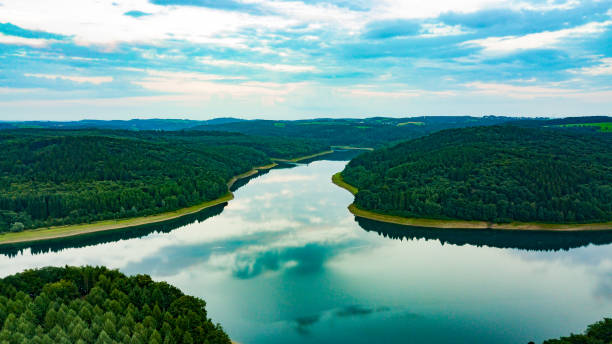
(286, 262)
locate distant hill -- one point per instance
(497, 173)
(133, 124)
(601, 124)
(368, 132)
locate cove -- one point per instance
(285, 261)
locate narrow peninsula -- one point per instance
(499, 177)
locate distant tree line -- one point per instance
(96, 305)
(56, 177)
(498, 173)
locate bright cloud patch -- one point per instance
(96, 80)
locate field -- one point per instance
(603, 126)
(410, 123)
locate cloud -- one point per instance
(540, 40)
(392, 28)
(136, 14)
(267, 66)
(513, 21)
(96, 80)
(372, 92)
(14, 30)
(31, 42)
(533, 92)
(604, 67)
(214, 4)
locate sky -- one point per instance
(282, 59)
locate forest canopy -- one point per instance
(59, 177)
(498, 173)
(96, 305)
(366, 132)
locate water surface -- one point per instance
(285, 262)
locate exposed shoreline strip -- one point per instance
(464, 224)
(46, 233)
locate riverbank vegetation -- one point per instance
(496, 174)
(97, 305)
(63, 177)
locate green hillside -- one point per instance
(497, 174)
(57, 177)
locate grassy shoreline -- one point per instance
(463, 224)
(55, 232)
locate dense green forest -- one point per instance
(97, 305)
(58, 177)
(367, 132)
(597, 333)
(497, 173)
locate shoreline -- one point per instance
(47, 233)
(464, 224)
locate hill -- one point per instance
(60, 177)
(368, 132)
(496, 174)
(133, 124)
(97, 305)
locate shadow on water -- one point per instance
(91, 239)
(524, 240)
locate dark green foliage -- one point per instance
(97, 305)
(498, 174)
(367, 132)
(58, 177)
(597, 333)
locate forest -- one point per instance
(366, 132)
(60, 177)
(498, 174)
(97, 305)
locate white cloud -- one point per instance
(603, 68)
(96, 80)
(368, 91)
(205, 86)
(30, 42)
(546, 39)
(534, 92)
(267, 66)
(101, 23)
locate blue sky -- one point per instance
(284, 59)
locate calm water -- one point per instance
(285, 262)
